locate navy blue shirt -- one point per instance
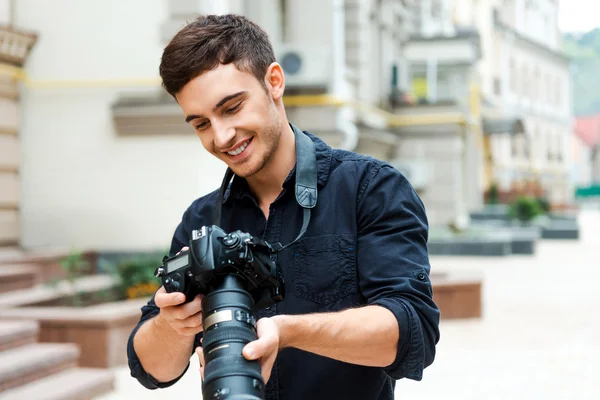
(366, 245)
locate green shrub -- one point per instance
(493, 194)
(525, 209)
(544, 204)
(135, 275)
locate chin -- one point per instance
(245, 171)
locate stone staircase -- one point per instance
(32, 370)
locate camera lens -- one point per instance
(229, 325)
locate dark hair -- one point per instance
(211, 40)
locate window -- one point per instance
(546, 90)
(550, 147)
(513, 76)
(436, 9)
(535, 84)
(558, 92)
(497, 87)
(524, 78)
(526, 140)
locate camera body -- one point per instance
(237, 275)
(212, 254)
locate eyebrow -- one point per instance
(219, 104)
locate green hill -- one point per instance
(584, 51)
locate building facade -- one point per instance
(524, 73)
(108, 162)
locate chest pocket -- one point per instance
(325, 268)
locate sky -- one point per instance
(578, 15)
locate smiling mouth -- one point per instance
(240, 149)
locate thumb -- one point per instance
(255, 350)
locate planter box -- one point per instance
(100, 331)
(491, 212)
(458, 296)
(481, 247)
(561, 230)
(563, 217)
(524, 239)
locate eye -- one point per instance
(202, 125)
(234, 108)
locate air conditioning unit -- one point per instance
(305, 66)
(417, 172)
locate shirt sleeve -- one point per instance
(149, 311)
(394, 267)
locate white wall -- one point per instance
(4, 12)
(82, 185)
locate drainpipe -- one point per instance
(345, 114)
(11, 13)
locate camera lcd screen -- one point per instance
(178, 263)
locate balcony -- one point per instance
(15, 45)
(463, 48)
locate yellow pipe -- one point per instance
(20, 74)
(86, 84)
(392, 120)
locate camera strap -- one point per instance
(306, 183)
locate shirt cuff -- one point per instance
(138, 372)
(409, 357)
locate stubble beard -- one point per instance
(270, 137)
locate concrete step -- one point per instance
(25, 364)
(16, 277)
(72, 384)
(8, 254)
(17, 333)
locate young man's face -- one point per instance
(233, 116)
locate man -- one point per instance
(358, 312)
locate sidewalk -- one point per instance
(539, 337)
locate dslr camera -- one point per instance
(237, 275)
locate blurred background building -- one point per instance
(463, 96)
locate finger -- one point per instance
(200, 354)
(183, 249)
(189, 309)
(193, 321)
(164, 299)
(259, 348)
(185, 331)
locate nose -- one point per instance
(224, 136)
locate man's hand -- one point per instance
(184, 319)
(265, 348)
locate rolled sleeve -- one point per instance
(394, 267)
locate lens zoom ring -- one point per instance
(232, 365)
(228, 333)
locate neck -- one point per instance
(267, 184)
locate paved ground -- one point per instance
(539, 338)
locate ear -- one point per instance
(275, 81)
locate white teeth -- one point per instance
(239, 149)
